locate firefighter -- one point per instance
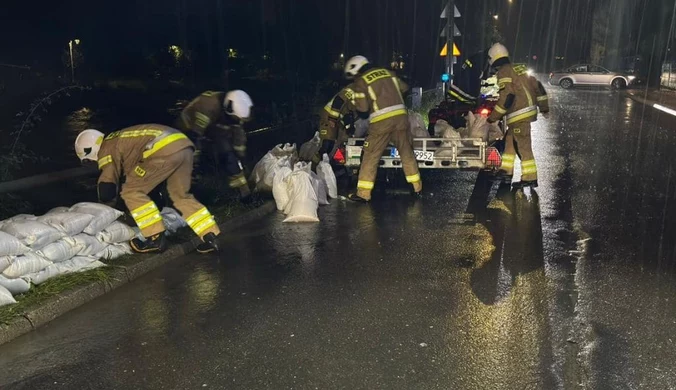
(520, 97)
(214, 120)
(336, 121)
(147, 155)
(378, 97)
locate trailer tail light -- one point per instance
(485, 112)
(339, 156)
(494, 160)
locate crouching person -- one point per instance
(148, 155)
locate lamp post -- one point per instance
(72, 65)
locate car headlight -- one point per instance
(529, 72)
(631, 78)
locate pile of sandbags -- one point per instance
(65, 240)
(479, 128)
(298, 191)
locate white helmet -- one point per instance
(497, 51)
(354, 65)
(88, 143)
(238, 104)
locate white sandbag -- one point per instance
(90, 244)
(116, 232)
(280, 188)
(56, 210)
(103, 215)
(22, 217)
(319, 186)
(265, 165)
(69, 223)
(325, 172)
(26, 264)
(171, 219)
(5, 261)
(309, 149)
(112, 252)
(15, 286)
(10, 245)
(361, 128)
(76, 264)
(417, 125)
(61, 250)
(303, 203)
(35, 235)
(6, 297)
(494, 132)
(477, 128)
(449, 134)
(269, 178)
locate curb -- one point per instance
(59, 305)
(651, 103)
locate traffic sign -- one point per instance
(444, 51)
(456, 13)
(456, 31)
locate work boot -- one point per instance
(526, 183)
(356, 198)
(417, 195)
(208, 244)
(156, 243)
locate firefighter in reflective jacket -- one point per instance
(378, 96)
(520, 97)
(336, 121)
(214, 120)
(147, 155)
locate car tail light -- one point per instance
(339, 156)
(494, 159)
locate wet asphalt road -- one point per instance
(474, 287)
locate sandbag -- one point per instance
(61, 250)
(303, 203)
(449, 134)
(325, 172)
(258, 174)
(280, 187)
(319, 186)
(477, 128)
(76, 264)
(116, 232)
(22, 217)
(33, 234)
(103, 215)
(310, 149)
(56, 210)
(269, 178)
(494, 132)
(15, 286)
(417, 125)
(5, 261)
(361, 128)
(90, 244)
(172, 220)
(69, 223)
(10, 245)
(6, 297)
(26, 264)
(112, 252)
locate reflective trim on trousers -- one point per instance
(365, 185)
(508, 161)
(201, 221)
(528, 167)
(413, 178)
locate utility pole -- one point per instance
(450, 13)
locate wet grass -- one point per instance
(228, 207)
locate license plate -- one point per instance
(419, 155)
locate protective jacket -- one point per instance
(520, 96)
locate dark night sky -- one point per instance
(310, 32)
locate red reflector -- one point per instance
(485, 111)
(339, 156)
(494, 159)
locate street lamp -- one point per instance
(72, 65)
(495, 17)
